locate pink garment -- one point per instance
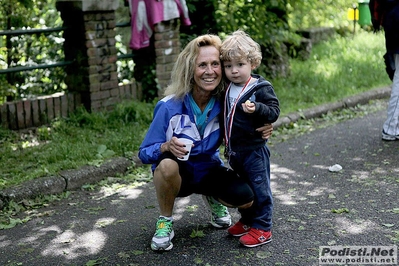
(146, 13)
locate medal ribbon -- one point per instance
(229, 122)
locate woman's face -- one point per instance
(208, 69)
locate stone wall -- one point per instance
(90, 43)
(167, 49)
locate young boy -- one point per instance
(250, 102)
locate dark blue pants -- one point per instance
(254, 166)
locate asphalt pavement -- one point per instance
(356, 206)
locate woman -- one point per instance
(192, 109)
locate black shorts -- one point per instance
(221, 182)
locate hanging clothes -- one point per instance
(146, 13)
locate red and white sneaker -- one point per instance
(256, 237)
(238, 229)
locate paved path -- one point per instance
(114, 226)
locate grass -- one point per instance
(338, 68)
(79, 140)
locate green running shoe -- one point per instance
(162, 239)
(220, 217)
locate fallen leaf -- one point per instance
(388, 225)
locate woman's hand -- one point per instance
(266, 130)
(174, 146)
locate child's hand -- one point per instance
(249, 107)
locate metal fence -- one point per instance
(41, 109)
(38, 66)
(62, 63)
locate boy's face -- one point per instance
(238, 71)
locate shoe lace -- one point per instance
(164, 227)
(217, 208)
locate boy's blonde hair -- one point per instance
(240, 45)
(182, 78)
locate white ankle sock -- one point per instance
(167, 218)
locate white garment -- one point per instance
(235, 91)
(391, 125)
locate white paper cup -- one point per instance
(189, 144)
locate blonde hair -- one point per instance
(240, 45)
(183, 70)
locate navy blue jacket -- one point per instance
(244, 137)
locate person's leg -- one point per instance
(237, 161)
(220, 216)
(391, 125)
(227, 187)
(255, 167)
(172, 179)
(235, 192)
(222, 187)
(167, 183)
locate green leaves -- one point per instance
(340, 210)
(12, 223)
(26, 3)
(103, 152)
(197, 233)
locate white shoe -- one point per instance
(386, 136)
